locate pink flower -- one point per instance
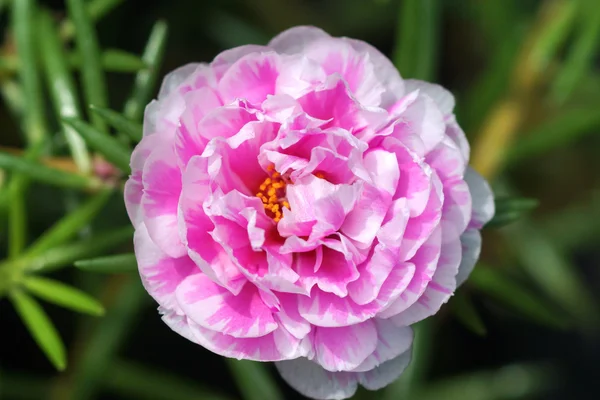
(302, 203)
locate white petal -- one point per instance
(312, 381)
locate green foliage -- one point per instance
(120, 123)
(145, 81)
(52, 176)
(253, 380)
(41, 328)
(63, 295)
(518, 297)
(417, 38)
(462, 306)
(510, 210)
(94, 84)
(113, 150)
(109, 265)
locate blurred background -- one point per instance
(526, 77)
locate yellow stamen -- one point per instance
(272, 194)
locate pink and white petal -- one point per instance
(386, 373)
(189, 138)
(311, 380)
(297, 76)
(161, 274)
(383, 168)
(420, 228)
(363, 223)
(338, 56)
(471, 247)
(442, 97)
(161, 178)
(456, 211)
(224, 60)
(331, 275)
(392, 341)
(252, 78)
(175, 78)
(314, 199)
(455, 132)
(447, 160)
(482, 197)
(329, 310)
(384, 70)
(245, 147)
(333, 102)
(373, 273)
(344, 348)
(296, 39)
(213, 307)
(289, 317)
(276, 346)
(196, 226)
(438, 291)
(134, 187)
(425, 119)
(426, 262)
(394, 224)
(414, 182)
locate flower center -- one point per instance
(272, 194)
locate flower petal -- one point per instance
(392, 341)
(211, 306)
(344, 348)
(471, 247)
(161, 274)
(311, 380)
(162, 187)
(276, 346)
(483, 198)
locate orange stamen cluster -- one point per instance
(272, 194)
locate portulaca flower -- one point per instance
(301, 203)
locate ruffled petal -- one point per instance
(344, 348)
(211, 306)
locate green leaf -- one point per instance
(146, 79)
(132, 380)
(111, 264)
(464, 309)
(505, 290)
(96, 10)
(61, 256)
(113, 60)
(114, 151)
(94, 84)
(555, 132)
(581, 55)
(63, 295)
(17, 221)
(41, 328)
(120, 123)
(253, 380)
(51, 176)
(62, 88)
(116, 60)
(417, 38)
(553, 273)
(519, 381)
(71, 224)
(34, 119)
(511, 209)
(104, 341)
